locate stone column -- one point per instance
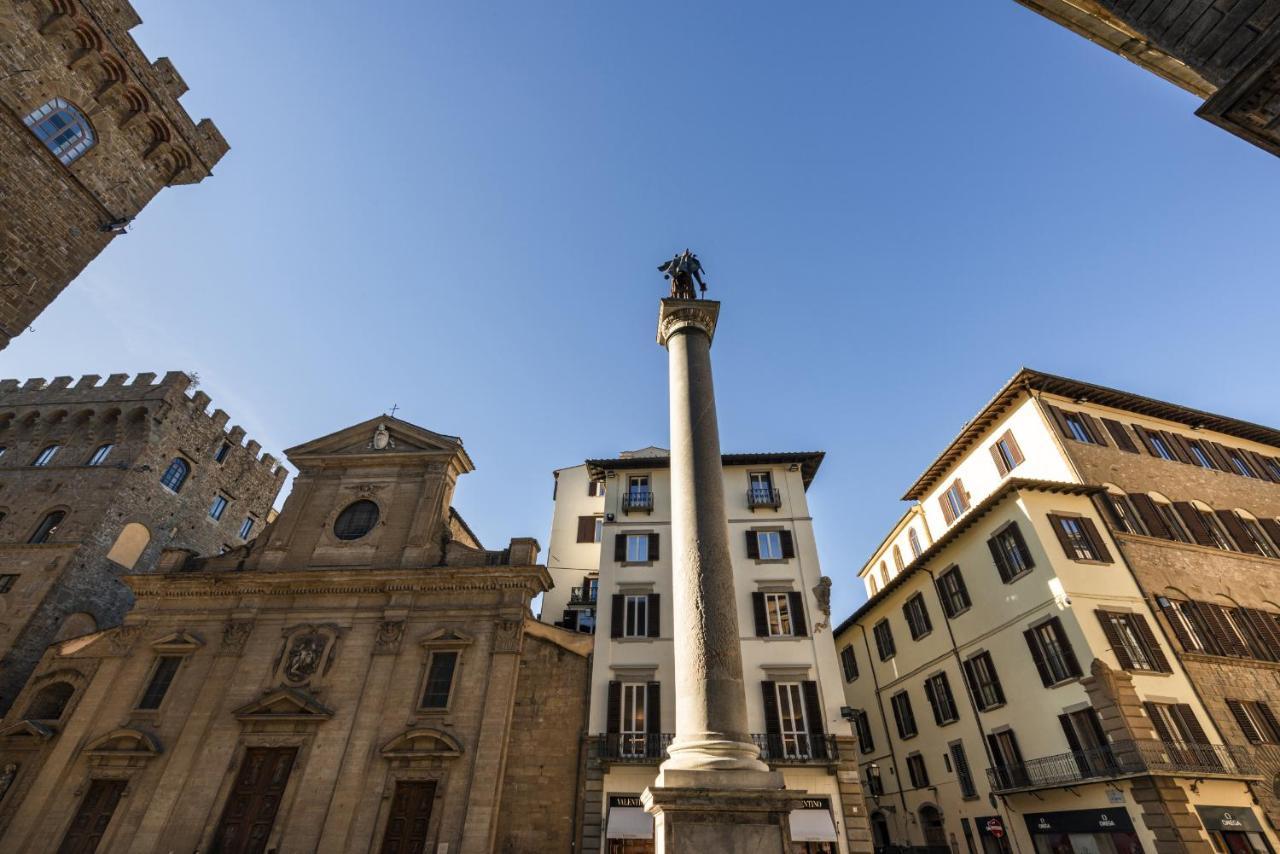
(713, 794)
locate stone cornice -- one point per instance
(189, 585)
(677, 314)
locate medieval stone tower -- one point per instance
(95, 480)
(90, 132)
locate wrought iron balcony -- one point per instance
(1121, 759)
(583, 596)
(797, 749)
(638, 748)
(758, 496)
(637, 501)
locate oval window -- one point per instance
(356, 520)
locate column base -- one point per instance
(720, 821)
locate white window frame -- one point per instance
(1133, 643)
(777, 608)
(769, 545)
(599, 530)
(638, 484)
(635, 615)
(638, 554)
(633, 730)
(793, 723)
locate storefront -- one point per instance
(812, 828)
(628, 828)
(993, 834)
(1107, 831)
(1234, 830)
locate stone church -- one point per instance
(362, 676)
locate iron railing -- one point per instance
(759, 496)
(796, 749)
(1122, 758)
(583, 595)
(637, 501)
(640, 748)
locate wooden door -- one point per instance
(92, 818)
(255, 798)
(409, 818)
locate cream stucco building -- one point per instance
(1024, 675)
(610, 560)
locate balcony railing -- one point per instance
(796, 749)
(583, 595)
(1121, 759)
(637, 501)
(759, 496)
(640, 748)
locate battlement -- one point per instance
(95, 35)
(35, 399)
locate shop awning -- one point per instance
(629, 823)
(812, 826)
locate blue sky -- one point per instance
(459, 207)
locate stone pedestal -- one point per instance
(708, 821)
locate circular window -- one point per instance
(356, 520)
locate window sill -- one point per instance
(635, 639)
(922, 635)
(992, 707)
(770, 560)
(430, 712)
(1068, 681)
(949, 723)
(637, 563)
(1136, 671)
(959, 613)
(1019, 576)
(782, 637)
(1091, 561)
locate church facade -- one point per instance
(363, 676)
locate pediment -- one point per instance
(398, 437)
(447, 636)
(124, 742)
(178, 642)
(27, 729)
(283, 704)
(422, 742)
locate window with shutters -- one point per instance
(1186, 626)
(1010, 552)
(1160, 447)
(1076, 427)
(1172, 521)
(590, 528)
(848, 663)
(1052, 652)
(1239, 463)
(595, 488)
(792, 721)
(1123, 515)
(1261, 542)
(1132, 641)
(166, 667)
(1218, 536)
(1199, 455)
(778, 611)
(635, 621)
(984, 684)
(637, 548)
(913, 539)
(964, 775)
(917, 616)
(903, 716)
(1185, 741)
(441, 666)
(1079, 538)
(953, 593)
(862, 725)
(769, 544)
(875, 785)
(1256, 720)
(1010, 769)
(937, 688)
(1006, 453)
(916, 771)
(955, 501)
(884, 640)
(633, 730)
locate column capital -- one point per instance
(677, 314)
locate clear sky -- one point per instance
(458, 208)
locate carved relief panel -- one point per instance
(307, 654)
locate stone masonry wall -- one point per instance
(149, 423)
(81, 51)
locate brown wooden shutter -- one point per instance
(1068, 652)
(946, 508)
(1270, 718)
(653, 547)
(813, 705)
(1095, 539)
(654, 616)
(1191, 724)
(932, 697)
(1113, 637)
(1145, 438)
(1272, 527)
(971, 680)
(1237, 531)
(1002, 565)
(1158, 723)
(653, 708)
(1095, 429)
(999, 459)
(963, 493)
(1175, 624)
(586, 529)
(620, 548)
(1191, 518)
(799, 626)
(1060, 419)
(1177, 446)
(995, 679)
(1264, 626)
(1259, 465)
(1055, 522)
(762, 617)
(1150, 515)
(1038, 657)
(1242, 720)
(613, 712)
(753, 545)
(772, 723)
(1120, 435)
(1013, 446)
(788, 544)
(1219, 455)
(1224, 636)
(1073, 740)
(617, 615)
(1158, 658)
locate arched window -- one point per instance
(51, 702)
(45, 456)
(176, 474)
(875, 586)
(62, 128)
(48, 527)
(356, 520)
(897, 559)
(100, 456)
(1252, 530)
(915, 542)
(130, 545)
(1172, 521)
